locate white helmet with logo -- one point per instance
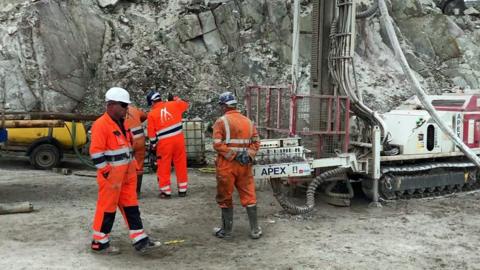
(117, 94)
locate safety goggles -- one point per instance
(122, 104)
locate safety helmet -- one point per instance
(227, 98)
(117, 94)
(153, 96)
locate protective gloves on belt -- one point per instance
(243, 158)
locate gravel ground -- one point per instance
(438, 233)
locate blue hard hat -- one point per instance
(152, 96)
(227, 98)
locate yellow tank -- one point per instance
(26, 136)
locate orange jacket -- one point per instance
(234, 132)
(109, 147)
(165, 119)
(135, 118)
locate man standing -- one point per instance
(111, 152)
(236, 141)
(165, 134)
(135, 118)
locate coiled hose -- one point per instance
(367, 12)
(291, 207)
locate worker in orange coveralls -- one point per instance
(165, 134)
(134, 119)
(236, 141)
(111, 152)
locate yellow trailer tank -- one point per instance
(63, 135)
(45, 146)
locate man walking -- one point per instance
(236, 141)
(165, 134)
(111, 152)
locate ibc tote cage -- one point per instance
(321, 121)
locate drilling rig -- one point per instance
(329, 138)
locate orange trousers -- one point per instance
(168, 150)
(117, 190)
(140, 158)
(231, 174)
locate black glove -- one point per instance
(170, 97)
(243, 158)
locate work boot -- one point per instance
(163, 195)
(146, 245)
(255, 230)
(104, 249)
(225, 232)
(139, 184)
(182, 194)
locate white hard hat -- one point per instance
(117, 94)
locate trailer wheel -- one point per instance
(45, 156)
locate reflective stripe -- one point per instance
(135, 231)
(97, 155)
(251, 130)
(139, 237)
(247, 141)
(137, 132)
(227, 129)
(182, 184)
(120, 162)
(136, 129)
(101, 165)
(217, 140)
(169, 128)
(100, 237)
(138, 136)
(166, 188)
(238, 148)
(118, 151)
(182, 189)
(170, 134)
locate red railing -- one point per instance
(321, 120)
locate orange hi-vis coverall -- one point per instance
(135, 118)
(234, 132)
(112, 153)
(165, 131)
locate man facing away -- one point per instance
(165, 134)
(236, 141)
(111, 152)
(134, 119)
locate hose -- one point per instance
(367, 12)
(425, 167)
(340, 63)
(330, 193)
(73, 135)
(291, 207)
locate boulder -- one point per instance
(433, 36)
(226, 17)
(207, 21)
(107, 3)
(18, 94)
(213, 41)
(188, 27)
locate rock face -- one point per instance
(62, 55)
(52, 48)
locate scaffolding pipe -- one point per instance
(31, 123)
(295, 44)
(386, 21)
